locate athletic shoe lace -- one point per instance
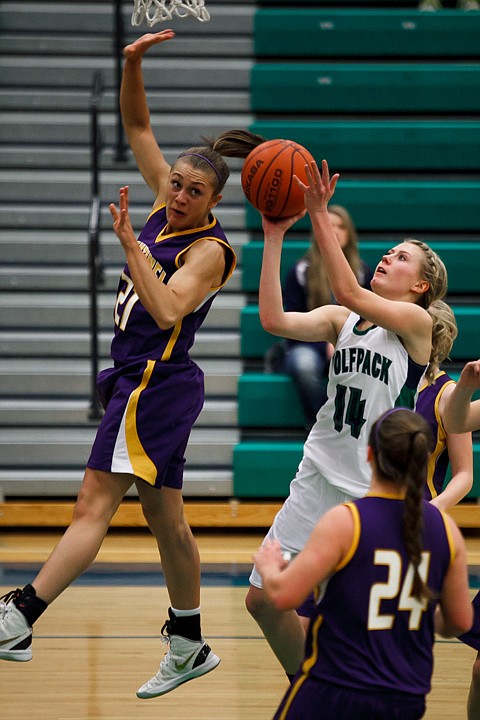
(10, 596)
(5, 602)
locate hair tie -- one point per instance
(185, 154)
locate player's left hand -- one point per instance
(121, 220)
(269, 555)
(320, 187)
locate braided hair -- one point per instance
(401, 441)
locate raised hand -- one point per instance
(470, 375)
(269, 555)
(142, 44)
(121, 220)
(319, 188)
(279, 226)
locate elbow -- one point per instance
(344, 296)
(270, 323)
(166, 323)
(165, 320)
(282, 600)
(454, 627)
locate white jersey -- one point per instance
(370, 372)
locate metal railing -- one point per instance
(95, 261)
(96, 275)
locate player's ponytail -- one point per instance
(444, 332)
(401, 442)
(209, 157)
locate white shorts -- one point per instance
(311, 495)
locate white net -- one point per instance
(155, 11)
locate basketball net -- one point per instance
(161, 10)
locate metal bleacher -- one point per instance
(49, 53)
(230, 72)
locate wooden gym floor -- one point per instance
(99, 641)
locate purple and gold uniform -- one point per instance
(371, 649)
(427, 404)
(155, 392)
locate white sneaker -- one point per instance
(15, 632)
(185, 660)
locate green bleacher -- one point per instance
(390, 96)
(462, 259)
(271, 401)
(365, 87)
(264, 469)
(255, 341)
(383, 145)
(406, 205)
(382, 32)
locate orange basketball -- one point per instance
(267, 177)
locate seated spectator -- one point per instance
(432, 5)
(306, 287)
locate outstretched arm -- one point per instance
(136, 115)
(462, 415)
(189, 285)
(406, 319)
(319, 324)
(460, 455)
(288, 585)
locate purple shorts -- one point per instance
(310, 699)
(307, 608)
(150, 408)
(472, 637)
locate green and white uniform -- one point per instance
(370, 372)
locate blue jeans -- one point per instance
(308, 367)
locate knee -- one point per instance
(305, 361)
(256, 603)
(95, 503)
(167, 527)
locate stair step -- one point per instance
(77, 344)
(61, 185)
(225, 100)
(101, 46)
(70, 447)
(31, 482)
(72, 310)
(87, 19)
(57, 379)
(75, 216)
(45, 412)
(67, 71)
(48, 247)
(74, 279)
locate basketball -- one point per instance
(267, 177)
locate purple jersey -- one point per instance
(154, 393)
(137, 335)
(368, 631)
(427, 405)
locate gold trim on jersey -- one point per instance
(173, 339)
(142, 466)
(441, 438)
(307, 665)
(451, 543)
(355, 538)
